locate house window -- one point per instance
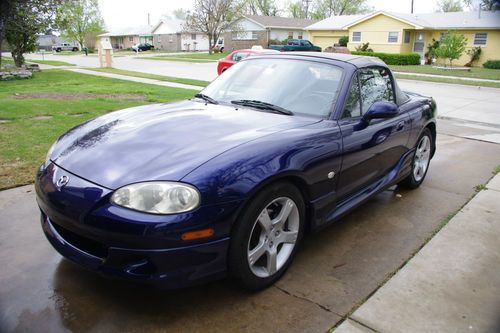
(356, 36)
(131, 38)
(480, 38)
(290, 35)
(407, 37)
(170, 38)
(255, 35)
(193, 36)
(299, 36)
(393, 37)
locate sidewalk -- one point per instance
(448, 77)
(134, 79)
(451, 285)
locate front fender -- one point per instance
(306, 154)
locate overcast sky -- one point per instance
(124, 13)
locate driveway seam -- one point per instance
(362, 324)
(467, 138)
(321, 306)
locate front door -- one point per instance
(419, 44)
(369, 152)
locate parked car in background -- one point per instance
(64, 47)
(229, 182)
(220, 45)
(296, 45)
(239, 55)
(142, 47)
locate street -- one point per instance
(335, 270)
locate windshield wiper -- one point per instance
(263, 106)
(206, 98)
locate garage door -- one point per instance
(325, 41)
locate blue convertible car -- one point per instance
(229, 182)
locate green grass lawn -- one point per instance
(51, 62)
(153, 76)
(195, 57)
(475, 73)
(7, 61)
(448, 80)
(35, 112)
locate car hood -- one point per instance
(161, 141)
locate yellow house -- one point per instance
(403, 33)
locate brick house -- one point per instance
(264, 30)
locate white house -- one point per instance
(169, 34)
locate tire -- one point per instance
(58, 50)
(263, 244)
(420, 161)
(221, 49)
(74, 49)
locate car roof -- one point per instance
(355, 60)
(257, 51)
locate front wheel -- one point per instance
(421, 160)
(266, 236)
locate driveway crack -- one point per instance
(321, 306)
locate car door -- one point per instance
(370, 150)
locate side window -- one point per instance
(376, 85)
(353, 104)
(239, 56)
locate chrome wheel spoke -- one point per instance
(286, 209)
(287, 237)
(272, 261)
(422, 157)
(256, 253)
(265, 220)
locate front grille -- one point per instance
(85, 244)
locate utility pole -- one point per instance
(150, 14)
(412, 6)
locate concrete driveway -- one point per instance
(334, 271)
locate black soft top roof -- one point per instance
(355, 60)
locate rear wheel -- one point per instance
(266, 236)
(421, 160)
(75, 49)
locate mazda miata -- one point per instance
(229, 182)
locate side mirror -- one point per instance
(381, 110)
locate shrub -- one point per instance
(474, 55)
(394, 58)
(365, 47)
(492, 64)
(343, 40)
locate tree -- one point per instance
(262, 7)
(452, 46)
(26, 19)
(180, 13)
(6, 8)
(484, 4)
(79, 18)
(295, 10)
(214, 17)
(327, 8)
(446, 6)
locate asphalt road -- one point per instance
(334, 271)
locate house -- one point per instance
(261, 30)
(45, 42)
(128, 37)
(169, 34)
(401, 33)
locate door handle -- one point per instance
(400, 126)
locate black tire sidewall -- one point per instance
(238, 261)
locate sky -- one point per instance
(125, 13)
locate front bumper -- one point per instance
(84, 227)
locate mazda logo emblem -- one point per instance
(62, 181)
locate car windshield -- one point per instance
(302, 87)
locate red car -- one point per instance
(238, 55)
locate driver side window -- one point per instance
(376, 85)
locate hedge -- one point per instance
(492, 64)
(393, 58)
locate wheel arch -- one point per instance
(432, 127)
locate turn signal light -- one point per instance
(204, 233)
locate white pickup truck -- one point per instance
(64, 47)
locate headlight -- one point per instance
(157, 197)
